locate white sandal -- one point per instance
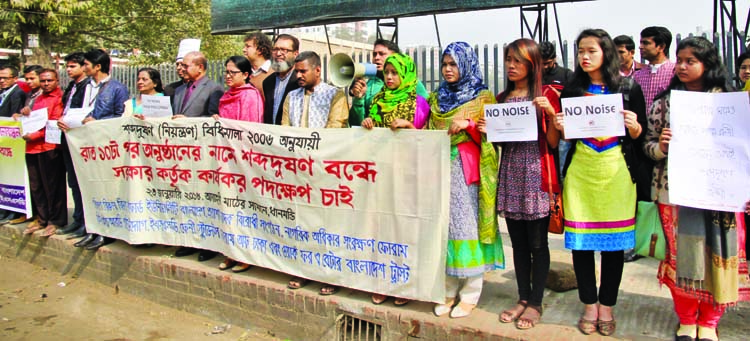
(442, 309)
(462, 310)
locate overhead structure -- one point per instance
(732, 35)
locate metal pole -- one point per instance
(437, 31)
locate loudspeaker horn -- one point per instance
(344, 70)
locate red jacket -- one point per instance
(53, 102)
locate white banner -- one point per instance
(351, 207)
(709, 153)
(593, 116)
(511, 122)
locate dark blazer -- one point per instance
(204, 101)
(269, 85)
(13, 102)
(77, 100)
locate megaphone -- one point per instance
(344, 70)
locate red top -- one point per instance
(53, 102)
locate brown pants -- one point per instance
(47, 184)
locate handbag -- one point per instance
(555, 213)
(649, 235)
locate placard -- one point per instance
(593, 116)
(511, 122)
(156, 106)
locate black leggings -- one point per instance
(530, 257)
(611, 269)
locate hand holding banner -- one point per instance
(511, 122)
(593, 116)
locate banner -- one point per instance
(14, 180)
(709, 153)
(593, 116)
(362, 209)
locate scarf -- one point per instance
(400, 102)
(488, 159)
(470, 83)
(242, 103)
(707, 253)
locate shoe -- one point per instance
(183, 251)
(99, 242)
(297, 282)
(379, 299)
(241, 267)
(80, 232)
(525, 322)
(401, 301)
(70, 228)
(5, 217)
(227, 263)
(20, 220)
(86, 240)
(205, 255)
(512, 314)
(462, 310)
(327, 290)
(33, 227)
(49, 231)
(587, 327)
(631, 256)
(442, 309)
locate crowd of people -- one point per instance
(600, 179)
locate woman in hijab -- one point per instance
(473, 242)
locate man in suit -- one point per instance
(277, 85)
(199, 97)
(12, 99)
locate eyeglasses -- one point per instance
(47, 81)
(231, 73)
(5, 78)
(281, 49)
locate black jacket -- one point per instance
(639, 165)
(269, 85)
(13, 102)
(77, 100)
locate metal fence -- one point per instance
(427, 60)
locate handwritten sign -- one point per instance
(14, 180)
(156, 106)
(52, 133)
(709, 153)
(74, 117)
(593, 116)
(288, 199)
(35, 121)
(509, 122)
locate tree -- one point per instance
(153, 27)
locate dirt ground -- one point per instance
(38, 304)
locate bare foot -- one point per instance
(605, 313)
(591, 312)
(510, 315)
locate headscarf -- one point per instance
(451, 95)
(401, 102)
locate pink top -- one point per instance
(243, 103)
(469, 152)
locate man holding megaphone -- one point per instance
(363, 89)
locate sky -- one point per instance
(617, 17)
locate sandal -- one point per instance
(379, 299)
(442, 309)
(241, 267)
(462, 310)
(524, 322)
(33, 227)
(227, 263)
(510, 315)
(328, 290)
(297, 282)
(49, 231)
(607, 328)
(587, 327)
(401, 301)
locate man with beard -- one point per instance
(277, 85)
(363, 90)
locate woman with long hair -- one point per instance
(599, 189)
(474, 245)
(241, 102)
(704, 272)
(527, 177)
(148, 83)
(397, 106)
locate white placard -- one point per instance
(593, 116)
(187, 46)
(156, 106)
(52, 132)
(74, 117)
(709, 153)
(34, 122)
(510, 122)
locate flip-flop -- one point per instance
(49, 231)
(401, 301)
(297, 282)
(524, 323)
(511, 314)
(332, 289)
(379, 299)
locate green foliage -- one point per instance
(153, 27)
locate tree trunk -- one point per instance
(41, 55)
